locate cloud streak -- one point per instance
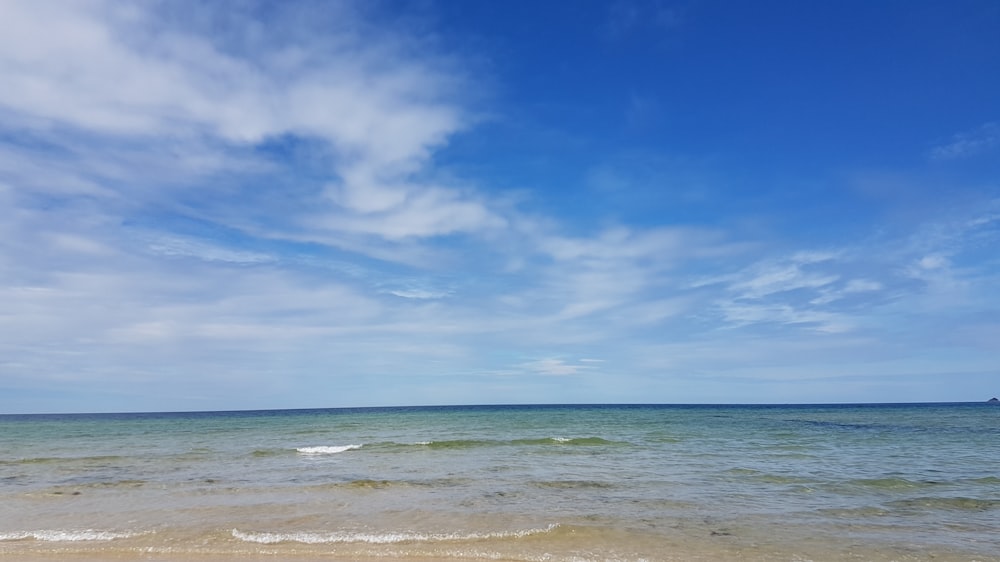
(985, 138)
(378, 111)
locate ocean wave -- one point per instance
(946, 503)
(541, 441)
(457, 444)
(373, 484)
(66, 535)
(988, 480)
(767, 477)
(448, 444)
(267, 452)
(854, 512)
(382, 538)
(893, 483)
(327, 450)
(368, 483)
(572, 484)
(50, 460)
(78, 489)
(565, 441)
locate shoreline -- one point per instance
(670, 541)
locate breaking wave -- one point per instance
(327, 450)
(382, 538)
(66, 535)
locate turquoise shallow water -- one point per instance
(888, 482)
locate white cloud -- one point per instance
(796, 291)
(137, 169)
(744, 314)
(952, 256)
(127, 73)
(404, 211)
(552, 366)
(862, 286)
(971, 143)
(665, 245)
(619, 267)
(174, 246)
(418, 293)
(934, 261)
(627, 17)
(852, 287)
(784, 276)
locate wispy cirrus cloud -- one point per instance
(783, 291)
(555, 366)
(784, 276)
(984, 138)
(940, 262)
(129, 76)
(173, 246)
(156, 162)
(619, 268)
(626, 17)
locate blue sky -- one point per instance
(310, 204)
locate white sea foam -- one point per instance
(325, 450)
(59, 535)
(381, 538)
(561, 439)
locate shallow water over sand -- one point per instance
(897, 482)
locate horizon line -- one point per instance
(508, 405)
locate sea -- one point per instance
(520, 483)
